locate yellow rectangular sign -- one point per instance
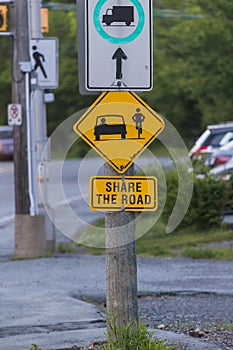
(128, 193)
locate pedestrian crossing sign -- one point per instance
(44, 59)
(119, 126)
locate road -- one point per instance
(7, 191)
(66, 193)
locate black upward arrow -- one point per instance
(119, 55)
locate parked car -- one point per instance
(220, 157)
(6, 143)
(213, 137)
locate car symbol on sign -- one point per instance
(110, 125)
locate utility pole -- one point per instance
(20, 54)
(121, 264)
(29, 227)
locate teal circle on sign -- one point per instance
(112, 39)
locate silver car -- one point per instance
(213, 137)
(222, 156)
(6, 143)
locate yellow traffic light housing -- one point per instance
(3, 18)
(45, 20)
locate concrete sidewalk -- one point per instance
(48, 301)
(45, 301)
(41, 303)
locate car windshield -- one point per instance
(6, 135)
(227, 137)
(109, 120)
(228, 146)
(219, 139)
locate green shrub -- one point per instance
(210, 196)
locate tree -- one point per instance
(5, 77)
(193, 66)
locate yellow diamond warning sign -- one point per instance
(119, 126)
(129, 193)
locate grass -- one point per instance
(35, 347)
(218, 326)
(65, 248)
(219, 254)
(190, 243)
(227, 326)
(130, 337)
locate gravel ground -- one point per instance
(205, 316)
(200, 315)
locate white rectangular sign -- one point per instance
(14, 114)
(44, 58)
(118, 45)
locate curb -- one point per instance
(184, 342)
(77, 339)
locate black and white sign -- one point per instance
(118, 45)
(44, 58)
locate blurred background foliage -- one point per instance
(193, 50)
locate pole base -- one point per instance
(30, 236)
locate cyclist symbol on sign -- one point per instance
(39, 58)
(138, 118)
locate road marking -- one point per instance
(70, 200)
(6, 219)
(5, 169)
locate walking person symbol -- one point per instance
(39, 58)
(138, 118)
